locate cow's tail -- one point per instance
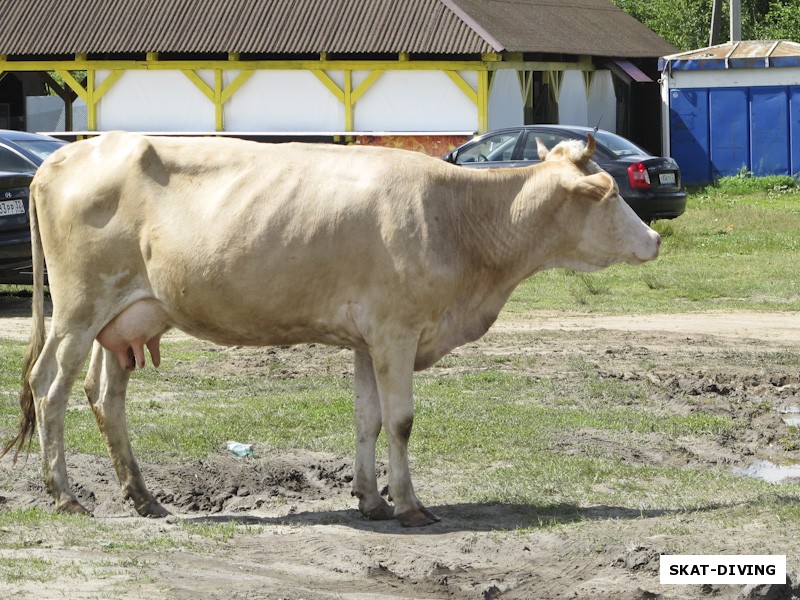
(27, 420)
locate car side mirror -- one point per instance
(451, 156)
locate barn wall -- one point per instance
(416, 101)
(282, 101)
(291, 101)
(602, 109)
(506, 104)
(155, 101)
(573, 104)
(579, 106)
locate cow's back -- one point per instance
(237, 238)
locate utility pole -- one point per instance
(736, 20)
(716, 19)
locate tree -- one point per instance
(781, 22)
(686, 23)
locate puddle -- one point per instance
(769, 471)
(791, 415)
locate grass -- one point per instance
(728, 251)
(734, 248)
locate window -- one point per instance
(498, 147)
(14, 163)
(549, 139)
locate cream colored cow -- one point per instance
(399, 256)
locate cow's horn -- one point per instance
(588, 152)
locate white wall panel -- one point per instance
(282, 101)
(712, 78)
(603, 101)
(415, 101)
(154, 101)
(573, 107)
(506, 107)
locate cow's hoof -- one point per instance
(72, 507)
(417, 518)
(381, 512)
(153, 510)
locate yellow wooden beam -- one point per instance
(365, 85)
(290, 65)
(554, 79)
(329, 83)
(483, 101)
(463, 86)
(73, 83)
(60, 90)
(349, 118)
(109, 81)
(219, 114)
(200, 84)
(91, 101)
(234, 85)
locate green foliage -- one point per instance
(688, 31)
(745, 184)
(686, 23)
(782, 22)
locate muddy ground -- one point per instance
(301, 538)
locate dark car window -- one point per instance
(549, 138)
(40, 148)
(13, 162)
(498, 147)
(619, 146)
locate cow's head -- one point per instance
(602, 228)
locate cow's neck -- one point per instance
(502, 239)
(510, 229)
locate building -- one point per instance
(733, 108)
(337, 67)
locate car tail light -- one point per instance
(638, 176)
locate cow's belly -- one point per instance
(236, 318)
(267, 329)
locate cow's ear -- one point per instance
(541, 149)
(596, 187)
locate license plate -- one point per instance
(11, 207)
(666, 178)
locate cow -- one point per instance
(398, 256)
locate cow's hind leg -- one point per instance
(368, 426)
(106, 384)
(393, 365)
(51, 380)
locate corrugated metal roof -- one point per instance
(750, 54)
(446, 27)
(591, 27)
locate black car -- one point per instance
(15, 233)
(21, 153)
(651, 185)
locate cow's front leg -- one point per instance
(106, 385)
(368, 426)
(393, 365)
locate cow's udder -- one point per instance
(139, 325)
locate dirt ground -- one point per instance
(310, 543)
